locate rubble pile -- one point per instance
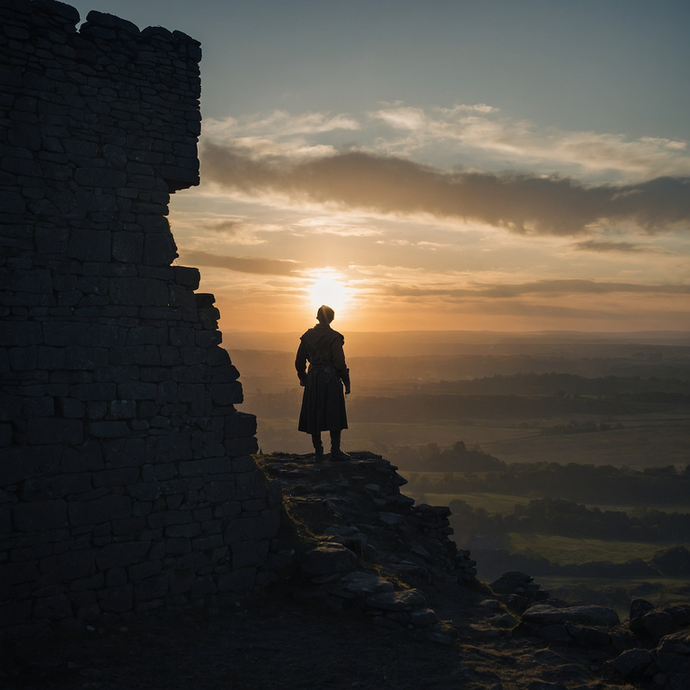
(369, 550)
(373, 547)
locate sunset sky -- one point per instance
(470, 165)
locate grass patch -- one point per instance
(569, 550)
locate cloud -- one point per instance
(277, 123)
(476, 127)
(332, 225)
(230, 227)
(624, 247)
(278, 267)
(543, 287)
(520, 203)
(238, 231)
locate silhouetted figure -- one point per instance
(323, 402)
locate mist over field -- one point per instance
(566, 455)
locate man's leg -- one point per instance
(336, 453)
(318, 446)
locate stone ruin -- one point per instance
(126, 473)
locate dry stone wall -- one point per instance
(126, 476)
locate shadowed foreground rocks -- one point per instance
(369, 592)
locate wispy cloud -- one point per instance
(227, 227)
(239, 231)
(277, 124)
(521, 141)
(332, 225)
(520, 203)
(623, 247)
(243, 264)
(540, 287)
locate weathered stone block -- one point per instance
(116, 599)
(191, 530)
(241, 446)
(173, 446)
(100, 177)
(153, 588)
(116, 577)
(45, 488)
(225, 374)
(209, 542)
(89, 245)
(226, 393)
(16, 573)
(239, 580)
(159, 249)
(181, 582)
(189, 277)
(68, 566)
(49, 430)
(226, 508)
(41, 515)
(264, 526)
(203, 586)
(138, 291)
(205, 467)
(220, 491)
(248, 553)
(251, 485)
(23, 358)
(125, 453)
(192, 561)
(178, 545)
(137, 390)
(191, 392)
(121, 555)
(101, 510)
(53, 607)
(15, 612)
(109, 429)
(118, 477)
(169, 517)
(84, 458)
(128, 247)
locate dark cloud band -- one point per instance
(520, 203)
(545, 287)
(276, 267)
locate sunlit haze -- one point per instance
(490, 166)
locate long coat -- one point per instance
(323, 402)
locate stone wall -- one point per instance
(126, 476)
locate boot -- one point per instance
(336, 453)
(318, 447)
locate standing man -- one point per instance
(323, 402)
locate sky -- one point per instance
(466, 165)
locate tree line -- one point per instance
(464, 471)
(570, 519)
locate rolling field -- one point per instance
(504, 503)
(377, 437)
(566, 550)
(641, 443)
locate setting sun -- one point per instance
(328, 288)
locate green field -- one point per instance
(492, 503)
(504, 503)
(641, 443)
(378, 437)
(566, 550)
(649, 442)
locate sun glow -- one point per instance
(328, 288)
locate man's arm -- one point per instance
(301, 364)
(339, 362)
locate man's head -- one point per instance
(325, 314)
